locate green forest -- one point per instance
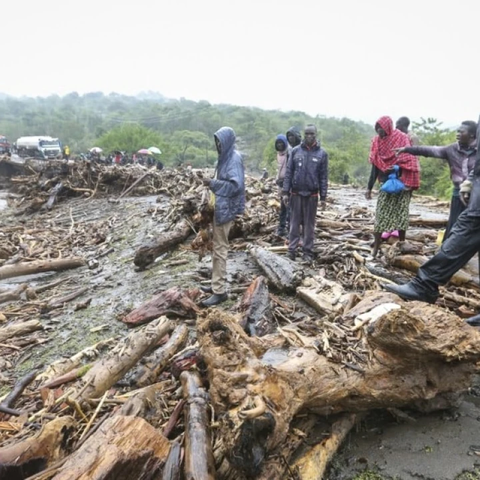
(183, 130)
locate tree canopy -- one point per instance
(183, 130)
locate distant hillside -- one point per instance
(185, 127)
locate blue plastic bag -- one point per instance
(393, 184)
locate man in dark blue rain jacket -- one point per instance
(228, 187)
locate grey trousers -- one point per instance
(219, 256)
(303, 211)
(461, 245)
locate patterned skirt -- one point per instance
(392, 211)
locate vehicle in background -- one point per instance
(5, 148)
(39, 147)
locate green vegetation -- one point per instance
(184, 129)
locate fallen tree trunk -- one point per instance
(281, 272)
(12, 295)
(65, 365)
(255, 308)
(165, 241)
(413, 262)
(153, 365)
(34, 454)
(38, 266)
(199, 463)
(313, 464)
(123, 448)
(108, 370)
(18, 329)
(174, 301)
(418, 356)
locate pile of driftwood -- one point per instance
(235, 392)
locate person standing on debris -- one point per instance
(294, 137)
(392, 208)
(460, 157)
(402, 124)
(282, 148)
(460, 246)
(228, 187)
(306, 177)
(66, 152)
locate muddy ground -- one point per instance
(436, 446)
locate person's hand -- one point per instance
(465, 190)
(206, 181)
(399, 150)
(465, 198)
(286, 199)
(368, 194)
(323, 205)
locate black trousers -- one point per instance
(456, 209)
(461, 245)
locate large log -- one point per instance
(123, 448)
(199, 463)
(282, 273)
(413, 262)
(108, 370)
(165, 241)
(417, 354)
(17, 329)
(154, 364)
(174, 301)
(255, 308)
(34, 454)
(39, 266)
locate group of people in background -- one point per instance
(302, 180)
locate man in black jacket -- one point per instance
(305, 178)
(461, 245)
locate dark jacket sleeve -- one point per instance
(373, 177)
(427, 151)
(233, 184)
(323, 177)
(287, 181)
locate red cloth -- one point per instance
(383, 156)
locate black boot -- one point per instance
(215, 299)
(409, 292)
(206, 289)
(474, 321)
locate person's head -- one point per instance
(402, 124)
(466, 132)
(294, 137)
(310, 135)
(281, 143)
(384, 126)
(224, 140)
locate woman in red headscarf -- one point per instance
(392, 208)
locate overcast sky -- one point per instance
(353, 58)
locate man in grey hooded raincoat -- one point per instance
(228, 186)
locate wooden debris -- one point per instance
(18, 329)
(255, 308)
(281, 272)
(36, 453)
(173, 301)
(199, 463)
(38, 266)
(123, 447)
(434, 353)
(166, 241)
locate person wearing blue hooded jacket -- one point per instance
(228, 187)
(283, 151)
